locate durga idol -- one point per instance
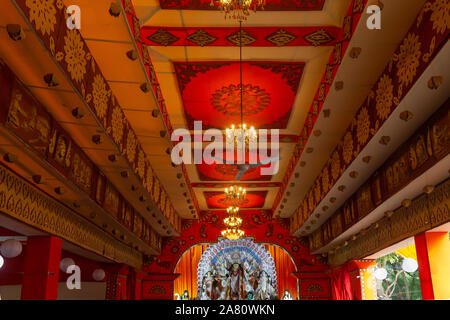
(235, 285)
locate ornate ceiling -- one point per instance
(307, 67)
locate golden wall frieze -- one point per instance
(24, 202)
(425, 212)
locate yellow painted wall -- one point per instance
(438, 245)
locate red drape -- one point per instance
(341, 284)
(285, 267)
(187, 268)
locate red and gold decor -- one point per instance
(269, 5)
(235, 195)
(233, 233)
(233, 219)
(241, 135)
(238, 9)
(233, 222)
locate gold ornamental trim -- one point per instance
(425, 212)
(24, 202)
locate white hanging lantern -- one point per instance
(1, 262)
(409, 265)
(380, 273)
(98, 275)
(11, 248)
(66, 263)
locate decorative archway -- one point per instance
(259, 225)
(250, 263)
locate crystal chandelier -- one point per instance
(235, 195)
(238, 9)
(241, 135)
(233, 233)
(233, 220)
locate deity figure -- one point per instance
(207, 291)
(235, 284)
(263, 290)
(185, 295)
(287, 295)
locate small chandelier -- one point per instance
(235, 194)
(233, 233)
(241, 134)
(238, 9)
(233, 220)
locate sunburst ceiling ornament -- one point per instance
(238, 9)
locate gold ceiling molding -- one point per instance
(424, 213)
(24, 202)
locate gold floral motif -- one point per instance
(440, 15)
(149, 180)
(162, 202)
(61, 149)
(408, 59)
(317, 193)
(347, 147)
(280, 38)
(100, 95)
(131, 146)
(335, 165)
(117, 125)
(363, 126)
(156, 190)
(325, 179)
(141, 164)
(311, 204)
(28, 204)
(318, 38)
(43, 13)
(82, 172)
(75, 55)
(384, 97)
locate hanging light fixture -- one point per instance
(238, 9)
(233, 222)
(235, 195)
(242, 134)
(233, 219)
(233, 233)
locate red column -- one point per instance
(424, 267)
(41, 268)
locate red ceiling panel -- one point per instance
(271, 5)
(211, 93)
(253, 199)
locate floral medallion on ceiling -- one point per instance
(253, 199)
(210, 92)
(271, 5)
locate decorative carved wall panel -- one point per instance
(26, 118)
(398, 171)
(423, 41)
(24, 202)
(424, 213)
